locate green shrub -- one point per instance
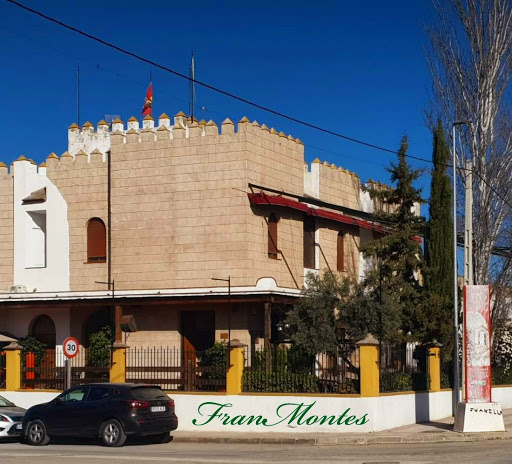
(278, 382)
(395, 381)
(501, 376)
(446, 380)
(404, 381)
(100, 348)
(215, 357)
(31, 345)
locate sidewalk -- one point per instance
(429, 432)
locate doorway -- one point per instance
(197, 334)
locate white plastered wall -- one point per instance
(382, 413)
(54, 274)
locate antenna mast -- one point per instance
(192, 88)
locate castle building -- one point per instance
(141, 220)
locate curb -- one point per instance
(358, 440)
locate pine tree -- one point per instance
(394, 282)
(439, 248)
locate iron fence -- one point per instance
(47, 370)
(3, 369)
(291, 370)
(177, 369)
(403, 368)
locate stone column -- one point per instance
(13, 366)
(236, 368)
(369, 372)
(118, 368)
(434, 366)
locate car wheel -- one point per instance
(160, 438)
(36, 434)
(112, 433)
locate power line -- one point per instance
(205, 85)
(233, 96)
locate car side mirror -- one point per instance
(58, 400)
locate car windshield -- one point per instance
(5, 403)
(148, 393)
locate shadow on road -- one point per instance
(131, 441)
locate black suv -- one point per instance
(110, 411)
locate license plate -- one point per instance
(18, 426)
(157, 408)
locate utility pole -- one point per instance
(468, 227)
(468, 253)
(456, 366)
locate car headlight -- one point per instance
(4, 419)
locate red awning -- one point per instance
(277, 200)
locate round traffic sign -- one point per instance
(71, 347)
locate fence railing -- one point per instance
(177, 369)
(46, 370)
(295, 371)
(403, 368)
(3, 370)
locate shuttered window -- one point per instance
(272, 236)
(309, 242)
(340, 252)
(96, 241)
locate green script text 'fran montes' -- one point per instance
(287, 413)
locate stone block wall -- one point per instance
(339, 186)
(82, 181)
(328, 248)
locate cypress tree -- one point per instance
(439, 248)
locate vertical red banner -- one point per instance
(477, 343)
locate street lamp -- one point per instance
(228, 280)
(456, 369)
(283, 330)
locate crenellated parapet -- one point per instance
(88, 139)
(183, 127)
(332, 183)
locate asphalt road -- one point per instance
(488, 452)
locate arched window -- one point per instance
(43, 329)
(96, 241)
(272, 236)
(340, 262)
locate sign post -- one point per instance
(71, 348)
(477, 413)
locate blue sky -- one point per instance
(353, 67)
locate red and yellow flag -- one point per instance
(148, 102)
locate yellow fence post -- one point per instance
(118, 367)
(13, 366)
(236, 368)
(434, 366)
(369, 377)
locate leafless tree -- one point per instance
(470, 60)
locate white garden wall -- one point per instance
(299, 414)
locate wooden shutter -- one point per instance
(272, 237)
(309, 242)
(341, 252)
(96, 241)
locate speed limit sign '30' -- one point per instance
(70, 346)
